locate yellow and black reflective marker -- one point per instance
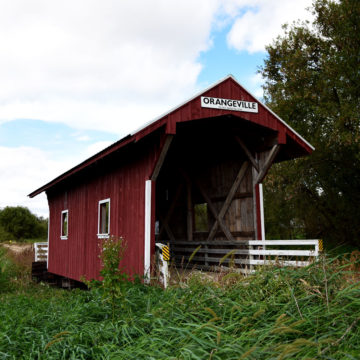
(166, 253)
(321, 246)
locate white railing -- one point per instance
(243, 253)
(41, 251)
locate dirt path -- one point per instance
(18, 248)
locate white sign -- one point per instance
(228, 104)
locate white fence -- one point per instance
(41, 251)
(241, 253)
(245, 253)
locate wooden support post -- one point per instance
(165, 220)
(162, 156)
(268, 162)
(248, 153)
(189, 211)
(229, 198)
(253, 186)
(206, 255)
(222, 225)
(255, 173)
(167, 228)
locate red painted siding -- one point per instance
(124, 184)
(227, 89)
(119, 173)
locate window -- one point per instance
(104, 218)
(201, 217)
(64, 224)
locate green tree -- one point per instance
(4, 235)
(312, 76)
(20, 223)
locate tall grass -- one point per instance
(309, 313)
(7, 270)
(15, 269)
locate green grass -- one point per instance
(7, 271)
(311, 313)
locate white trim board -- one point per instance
(47, 261)
(147, 237)
(262, 217)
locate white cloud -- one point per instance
(109, 65)
(96, 147)
(258, 22)
(256, 82)
(83, 138)
(119, 118)
(24, 169)
(91, 64)
(113, 65)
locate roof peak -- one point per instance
(218, 82)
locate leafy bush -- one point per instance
(19, 223)
(4, 235)
(113, 276)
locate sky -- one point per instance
(78, 75)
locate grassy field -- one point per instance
(311, 313)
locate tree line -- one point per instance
(18, 223)
(312, 80)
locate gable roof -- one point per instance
(204, 92)
(189, 110)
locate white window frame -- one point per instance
(64, 237)
(103, 235)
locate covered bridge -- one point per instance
(191, 176)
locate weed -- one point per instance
(113, 276)
(7, 270)
(231, 317)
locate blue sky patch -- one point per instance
(56, 138)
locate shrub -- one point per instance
(4, 235)
(20, 223)
(114, 277)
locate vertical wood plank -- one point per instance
(189, 211)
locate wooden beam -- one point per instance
(167, 228)
(269, 160)
(242, 234)
(189, 211)
(241, 195)
(210, 205)
(248, 153)
(253, 186)
(162, 156)
(165, 220)
(229, 198)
